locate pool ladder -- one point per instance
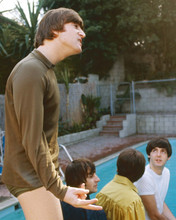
(2, 136)
(69, 156)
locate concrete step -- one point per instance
(112, 127)
(109, 133)
(118, 117)
(117, 123)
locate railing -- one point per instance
(108, 93)
(138, 96)
(2, 143)
(69, 156)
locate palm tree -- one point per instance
(17, 38)
(23, 31)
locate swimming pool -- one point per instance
(106, 172)
(12, 213)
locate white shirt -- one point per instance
(153, 184)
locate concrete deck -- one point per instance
(98, 147)
(94, 148)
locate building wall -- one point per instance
(155, 111)
(129, 126)
(153, 101)
(156, 123)
(75, 92)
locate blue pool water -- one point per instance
(12, 213)
(106, 172)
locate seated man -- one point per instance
(119, 198)
(154, 183)
(81, 173)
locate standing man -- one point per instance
(81, 173)
(119, 198)
(154, 183)
(31, 120)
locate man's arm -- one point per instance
(151, 208)
(76, 197)
(167, 212)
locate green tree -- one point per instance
(99, 46)
(16, 39)
(125, 26)
(152, 27)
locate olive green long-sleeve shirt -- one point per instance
(31, 126)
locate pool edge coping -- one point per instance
(12, 201)
(105, 159)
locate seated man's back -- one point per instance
(119, 198)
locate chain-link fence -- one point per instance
(156, 96)
(2, 145)
(140, 97)
(153, 102)
(115, 96)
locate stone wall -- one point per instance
(129, 126)
(155, 111)
(156, 123)
(74, 108)
(117, 72)
(75, 92)
(151, 100)
(154, 101)
(83, 135)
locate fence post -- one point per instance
(131, 101)
(133, 95)
(111, 100)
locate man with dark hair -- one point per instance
(32, 101)
(81, 173)
(119, 198)
(154, 183)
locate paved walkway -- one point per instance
(94, 148)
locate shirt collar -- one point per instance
(42, 58)
(125, 181)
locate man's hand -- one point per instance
(76, 197)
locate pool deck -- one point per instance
(94, 148)
(98, 147)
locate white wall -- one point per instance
(156, 123)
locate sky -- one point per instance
(10, 4)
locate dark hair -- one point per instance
(54, 20)
(161, 143)
(131, 164)
(77, 172)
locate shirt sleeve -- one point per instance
(133, 211)
(29, 87)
